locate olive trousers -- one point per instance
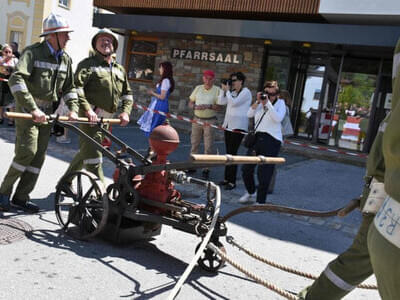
(345, 272)
(88, 156)
(31, 144)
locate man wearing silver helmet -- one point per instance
(43, 74)
(103, 90)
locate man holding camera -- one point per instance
(204, 102)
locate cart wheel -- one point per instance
(210, 261)
(81, 204)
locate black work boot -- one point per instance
(26, 206)
(4, 202)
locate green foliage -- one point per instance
(358, 90)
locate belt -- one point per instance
(43, 104)
(101, 112)
(387, 221)
(375, 197)
(211, 118)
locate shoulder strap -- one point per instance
(259, 121)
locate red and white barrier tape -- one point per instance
(169, 115)
(3, 79)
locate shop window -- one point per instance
(278, 69)
(141, 58)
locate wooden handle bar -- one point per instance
(212, 159)
(18, 115)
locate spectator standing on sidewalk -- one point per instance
(7, 64)
(204, 102)
(268, 111)
(238, 101)
(42, 75)
(159, 101)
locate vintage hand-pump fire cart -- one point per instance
(142, 196)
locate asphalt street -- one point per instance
(47, 264)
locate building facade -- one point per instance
(334, 57)
(21, 22)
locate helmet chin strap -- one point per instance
(58, 42)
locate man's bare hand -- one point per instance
(191, 104)
(124, 117)
(91, 116)
(72, 116)
(38, 116)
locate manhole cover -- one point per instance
(12, 230)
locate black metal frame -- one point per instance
(127, 203)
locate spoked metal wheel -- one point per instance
(81, 204)
(209, 260)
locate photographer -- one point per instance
(268, 111)
(7, 64)
(238, 100)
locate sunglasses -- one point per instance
(233, 80)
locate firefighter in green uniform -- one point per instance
(102, 85)
(43, 74)
(384, 232)
(353, 266)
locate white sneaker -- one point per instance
(247, 198)
(63, 140)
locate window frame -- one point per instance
(68, 6)
(129, 53)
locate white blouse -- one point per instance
(237, 106)
(271, 122)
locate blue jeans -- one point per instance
(268, 146)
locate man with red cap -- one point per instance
(204, 102)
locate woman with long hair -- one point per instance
(7, 63)
(159, 99)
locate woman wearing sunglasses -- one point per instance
(238, 100)
(268, 112)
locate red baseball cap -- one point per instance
(209, 73)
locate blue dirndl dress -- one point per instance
(149, 120)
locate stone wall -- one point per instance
(188, 73)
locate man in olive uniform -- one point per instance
(43, 74)
(384, 232)
(101, 84)
(353, 266)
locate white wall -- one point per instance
(80, 19)
(368, 7)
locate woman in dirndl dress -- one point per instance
(159, 100)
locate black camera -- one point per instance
(226, 81)
(264, 96)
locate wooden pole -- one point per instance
(26, 116)
(235, 159)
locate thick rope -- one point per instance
(263, 282)
(203, 244)
(286, 268)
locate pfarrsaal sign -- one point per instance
(212, 56)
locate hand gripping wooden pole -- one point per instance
(235, 159)
(26, 116)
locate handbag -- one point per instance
(287, 128)
(250, 138)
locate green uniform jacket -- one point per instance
(391, 138)
(39, 76)
(102, 85)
